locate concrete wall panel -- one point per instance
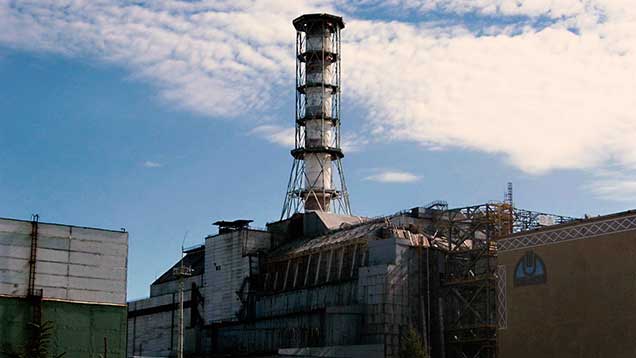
(155, 333)
(226, 267)
(72, 263)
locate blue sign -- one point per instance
(530, 270)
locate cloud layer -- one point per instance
(393, 176)
(557, 96)
(151, 164)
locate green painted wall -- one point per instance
(13, 314)
(79, 329)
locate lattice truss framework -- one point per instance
(502, 301)
(297, 196)
(528, 220)
(320, 88)
(469, 278)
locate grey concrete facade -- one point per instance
(153, 323)
(73, 263)
(357, 287)
(351, 283)
(227, 265)
(153, 326)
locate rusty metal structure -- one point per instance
(468, 279)
(34, 295)
(317, 150)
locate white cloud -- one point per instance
(549, 8)
(283, 136)
(545, 98)
(393, 176)
(151, 164)
(217, 58)
(613, 184)
(614, 189)
(353, 143)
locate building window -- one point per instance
(530, 270)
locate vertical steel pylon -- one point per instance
(317, 149)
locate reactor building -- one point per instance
(478, 281)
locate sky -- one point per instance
(162, 117)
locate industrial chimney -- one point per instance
(317, 145)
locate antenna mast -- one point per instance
(181, 273)
(508, 196)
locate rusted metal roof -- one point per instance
(361, 232)
(334, 221)
(375, 229)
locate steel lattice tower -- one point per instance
(317, 144)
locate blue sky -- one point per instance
(130, 122)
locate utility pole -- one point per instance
(181, 272)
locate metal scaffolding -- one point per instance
(468, 280)
(468, 286)
(525, 220)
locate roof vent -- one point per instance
(230, 226)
